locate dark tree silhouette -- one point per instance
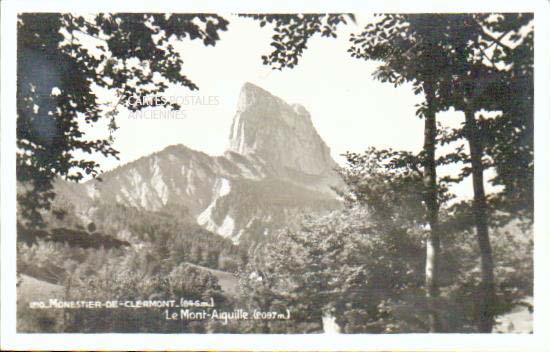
(291, 32)
(480, 78)
(467, 75)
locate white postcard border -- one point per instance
(9, 339)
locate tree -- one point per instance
(457, 47)
(409, 54)
(511, 149)
(443, 55)
(136, 276)
(358, 265)
(479, 77)
(494, 72)
(62, 59)
(391, 184)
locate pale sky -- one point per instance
(350, 110)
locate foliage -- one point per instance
(177, 238)
(358, 264)
(513, 256)
(388, 183)
(364, 264)
(482, 62)
(338, 264)
(72, 237)
(136, 276)
(292, 32)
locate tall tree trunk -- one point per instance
(432, 207)
(329, 324)
(487, 290)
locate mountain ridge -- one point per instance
(276, 167)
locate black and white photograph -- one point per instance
(260, 173)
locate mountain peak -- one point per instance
(280, 133)
(252, 94)
(247, 86)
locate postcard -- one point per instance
(275, 176)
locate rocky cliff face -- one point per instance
(276, 167)
(281, 134)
